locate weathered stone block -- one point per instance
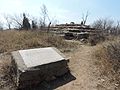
(35, 65)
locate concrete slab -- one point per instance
(40, 56)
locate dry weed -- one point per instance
(15, 40)
(108, 59)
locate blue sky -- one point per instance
(65, 11)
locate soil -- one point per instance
(83, 69)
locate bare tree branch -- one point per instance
(107, 25)
(17, 21)
(85, 17)
(44, 14)
(8, 20)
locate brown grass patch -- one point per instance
(108, 59)
(5, 74)
(15, 40)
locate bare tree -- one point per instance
(54, 22)
(44, 15)
(117, 27)
(105, 24)
(98, 24)
(8, 21)
(1, 26)
(17, 21)
(45, 21)
(41, 25)
(84, 18)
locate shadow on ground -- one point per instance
(51, 85)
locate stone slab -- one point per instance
(39, 56)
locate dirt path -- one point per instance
(83, 68)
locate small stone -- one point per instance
(102, 80)
(116, 84)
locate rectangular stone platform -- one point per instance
(35, 65)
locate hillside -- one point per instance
(84, 66)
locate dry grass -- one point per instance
(15, 40)
(96, 39)
(5, 78)
(108, 59)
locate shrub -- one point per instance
(95, 39)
